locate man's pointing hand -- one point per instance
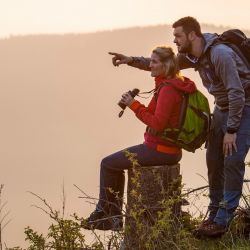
(120, 59)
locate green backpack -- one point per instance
(194, 122)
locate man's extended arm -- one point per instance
(143, 62)
(137, 62)
(140, 63)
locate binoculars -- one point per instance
(133, 93)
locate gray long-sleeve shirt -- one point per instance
(226, 80)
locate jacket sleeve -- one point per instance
(143, 62)
(158, 120)
(140, 63)
(183, 62)
(224, 60)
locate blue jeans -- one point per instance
(112, 174)
(226, 174)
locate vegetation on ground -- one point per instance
(167, 231)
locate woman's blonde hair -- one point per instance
(169, 60)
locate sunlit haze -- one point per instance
(59, 95)
(67, 16)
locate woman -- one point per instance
(162, 112)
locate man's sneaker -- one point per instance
(212, 230)
(102, 221)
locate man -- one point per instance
(227, 78)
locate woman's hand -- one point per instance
(127, 99)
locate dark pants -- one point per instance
(225, 174)
(112, 174)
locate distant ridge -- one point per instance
(205, 27)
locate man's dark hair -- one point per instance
(189, 24)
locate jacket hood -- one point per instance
(185, 84)
(209, 39)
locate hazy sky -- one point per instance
(63, 16)
(45, 139)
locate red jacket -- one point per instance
(163, 111)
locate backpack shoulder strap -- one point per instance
(184, 102)
(157, 90)
(208, 53)
(214, 76)
(234, 47)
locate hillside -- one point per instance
(59, 115)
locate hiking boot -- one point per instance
(102, 221)
(205, 223)
(212, 230)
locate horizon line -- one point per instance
(19, 35)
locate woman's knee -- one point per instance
(106, 163)
(112, 164)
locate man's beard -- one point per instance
(186, 48)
